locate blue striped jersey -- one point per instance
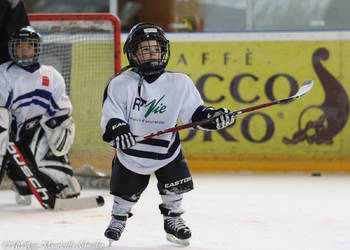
(29, 94)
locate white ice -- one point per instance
(224, 211)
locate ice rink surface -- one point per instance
(225, 211)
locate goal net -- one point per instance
(85, 49)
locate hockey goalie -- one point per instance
(35, 116)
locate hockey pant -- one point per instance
(173, 179)
(55, 172)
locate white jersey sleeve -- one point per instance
(114, 103)
(192, 100)
(59, 94)
(5, 89)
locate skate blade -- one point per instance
(175, 240)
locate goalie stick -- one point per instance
(304, 88)
(45, 199)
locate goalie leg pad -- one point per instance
(2, 172)
(18, 179)
(59, 131)
(54, 171)
(65, 185)
(5, 124)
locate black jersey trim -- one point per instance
(156, 142)
(155, 156)
(105, 92)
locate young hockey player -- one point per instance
(144, 100)
(33, 96)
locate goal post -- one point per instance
(85, 49)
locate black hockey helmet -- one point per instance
(144, 32)
(25, 34)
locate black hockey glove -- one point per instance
(118, 134)
(223, 120)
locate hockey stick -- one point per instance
(304, 88)
(39, 190)
(45, 199)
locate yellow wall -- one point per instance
(309, 134)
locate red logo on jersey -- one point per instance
(46, 81)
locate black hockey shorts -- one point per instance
(173, 178)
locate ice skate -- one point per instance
(176, 230)
(115, 228)
(24, 200)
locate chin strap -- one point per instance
(139, 88)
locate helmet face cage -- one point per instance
(147, 32)
(21, 42)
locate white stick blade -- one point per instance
(79, 203)
(305, 87)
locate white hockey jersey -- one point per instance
(171, 97)
(30, 94)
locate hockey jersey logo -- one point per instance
(155, 106)
(45, 81)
